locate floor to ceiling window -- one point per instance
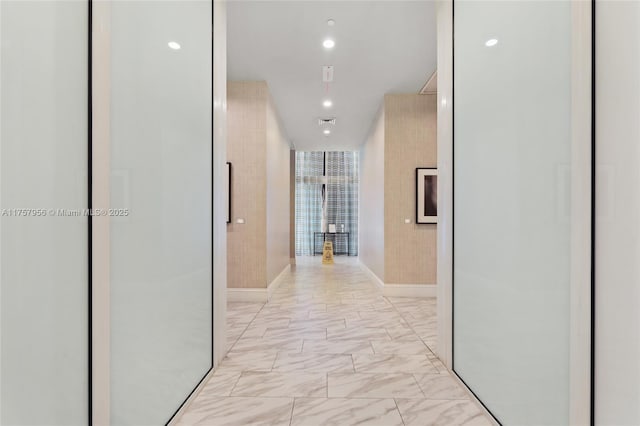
(326, 196)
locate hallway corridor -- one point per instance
(330, 349)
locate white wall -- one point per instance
(371, 211)
(618, 213)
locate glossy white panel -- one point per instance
(161, 276)
(43, 261)
(513, 206)
(618, 209)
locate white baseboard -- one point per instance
(256, 294)
(410, 290)
(401, 290)
(247, 295)
(371, 274)
(277, 281)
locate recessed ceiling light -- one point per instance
(174, 45)
(331, 22)
(326, 131)
(491, 42)
(327, 103)
(328, 43)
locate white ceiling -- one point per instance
(381, 47)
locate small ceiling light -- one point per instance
(174, 45)
(491, 42)
(326, 131)
(331, 22)
(328, 43)
(327, 103)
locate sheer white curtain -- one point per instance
(337, 172)
(342, 198)
(309, 181)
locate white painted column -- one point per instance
(617, 381)
(444, 16)
(220, 188)
(101, 176)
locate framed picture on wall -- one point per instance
(228, 175)
(426, 195)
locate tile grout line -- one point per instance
(276, 358)
(293, 405)
(424, 395)
(236, 383)
(247, 326)
(327, 377)
(395, 400)
(412, 329)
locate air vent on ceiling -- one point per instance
(327, 74)
(325, 121)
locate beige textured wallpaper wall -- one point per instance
(277, 194)
(410, 142)
(372, 198)
(402, 138)
(259, 153)
(247, 152)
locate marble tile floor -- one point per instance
(329, 349)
